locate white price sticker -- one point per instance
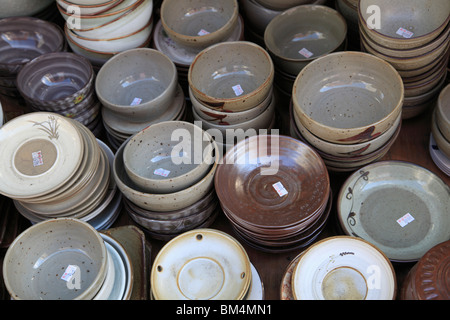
(202, 32)
(406, 219)
(37, 158)
(238, 90)
(136, 101)
(280, 189)
(70, 271)
(306, 53)
(404, 33)
(161, 172)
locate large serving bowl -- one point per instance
(303, 33)
(162, 202)
(404, 25)
(140, 91)
(35, 263)
(57, 81)
(234, 89)
(22, 8)
(25, 38)
(348, 97)
(158, 161)
(199, 23)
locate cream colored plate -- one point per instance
(202, 264)
(398, 206)
(40, 152)
(343, 268)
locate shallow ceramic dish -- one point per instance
(51, 248)
(162, 202)
(277, 174)
(108, 283)
(120, 280)
(122, 26)
(443, 112)
(202, 264)
(438, 157)
(199, 23)
(56, 81)
(25, 38)
(405, 25)
(41, 152)
(256, 289)
(342, 268)
(143, 90)
(233, 90)
(303, 33)
(229, 118)
(169, 156)
(348, 97)
(22, 8)
(398, 206)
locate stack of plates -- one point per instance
(345, 157)
(282, 199)
(181, 55)
(398, 206)
(54, 167)
(438, 157)
(414, 38)
(204, 264)
(340, 268)
(440, 131)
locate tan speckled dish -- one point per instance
(348, 97)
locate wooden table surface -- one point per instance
(411, 145)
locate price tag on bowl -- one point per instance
(405, 33)
(306, 53)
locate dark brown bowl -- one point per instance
(24, 38)
(56, 81)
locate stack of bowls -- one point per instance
(349, 10)
(348, 107)
(240, 98)
(166, 173)
(21, 40)
(440, 132)
(258, 14)
(100, 29)
(284, 197)
(340, 268)
(54, 167)
(23, 8)
(58, 259)
(63, 83)
(428, 278)
(403, 216)
(138, 94)
(414, 38)
(202, 264)
(300, 35)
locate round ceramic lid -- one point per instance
(343, 268)
(398, 206)
(202, 264)
(432, 275)
(40, 152)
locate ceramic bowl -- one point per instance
(403, 218)
(404, 26)
(41, 260)
(342, 268)
(199, 24)
(202, 264)
(442, 142)
(56, 81)
(87, 10)
(141, 91)
(161, 202)
(22, 8)
(158, 161)
(228, 118)
(90, 2)
(121, 26)
(443, 112)
(281, 4)
(113, 44)
(77, 21)
(301, 34)
(257, 16)
(348, 97)
(25, 38)
(234, 90)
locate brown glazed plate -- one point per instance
(272, 181)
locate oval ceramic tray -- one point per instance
(398, 206)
